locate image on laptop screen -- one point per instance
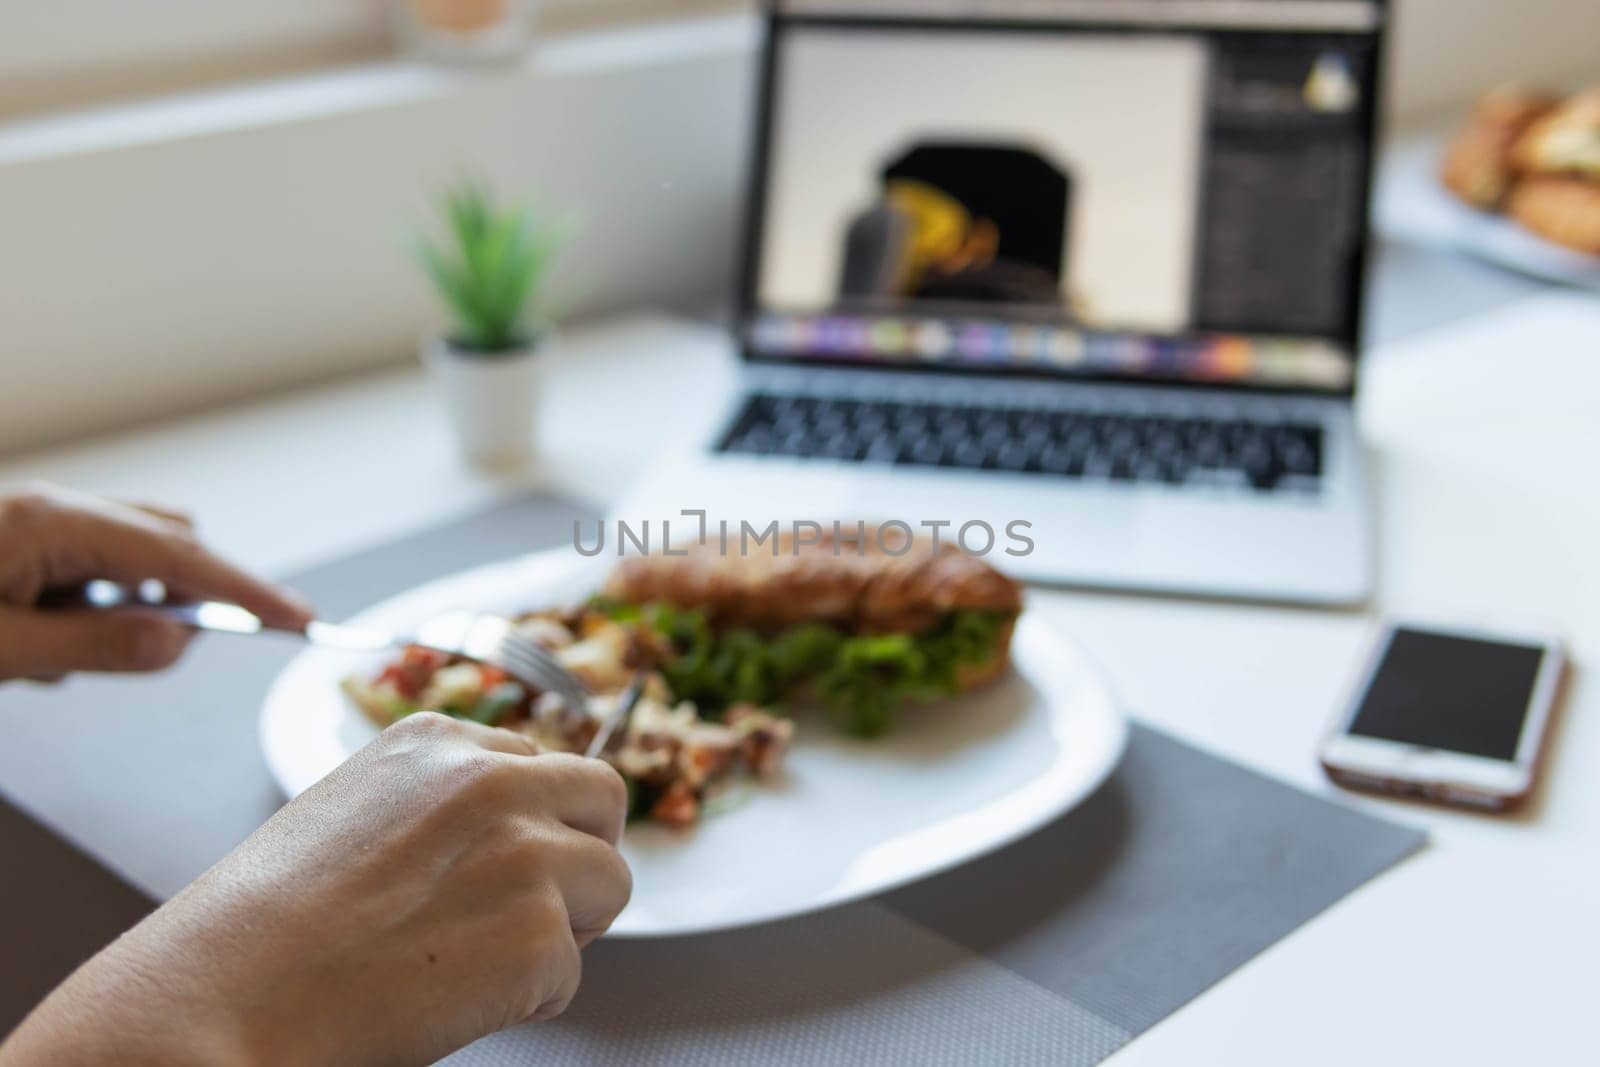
(1067, 191)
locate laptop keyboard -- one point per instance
(1099, 445)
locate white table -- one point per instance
(1478, 951)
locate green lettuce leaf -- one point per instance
(863, 679)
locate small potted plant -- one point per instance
(489, 269)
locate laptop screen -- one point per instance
(1162, 189)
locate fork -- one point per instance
(616, 724)
(486, 639)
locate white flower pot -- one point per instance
(491, 399)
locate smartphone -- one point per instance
(1453, 715)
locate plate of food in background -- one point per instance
(820, 721)
(1518, 184)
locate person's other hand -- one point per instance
(434, 889)
(52, 538)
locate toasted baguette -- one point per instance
(895, 584)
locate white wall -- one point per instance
(66, 38)
(178, 272)
(1446, 50)
(75, 53)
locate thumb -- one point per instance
(45, 643)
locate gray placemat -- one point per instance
(1057, 950)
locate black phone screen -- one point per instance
(1453, 693)
(58, 907)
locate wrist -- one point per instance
(159, 995)
(100, 1015)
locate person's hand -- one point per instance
(51, 538)
(434, 889)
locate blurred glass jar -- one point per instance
(466, 31)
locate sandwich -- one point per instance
(1535, 157)
(865, 621)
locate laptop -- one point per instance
(1078, 282)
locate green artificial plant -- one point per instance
(488, 267)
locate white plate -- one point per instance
(1412, 205)
(847, 819)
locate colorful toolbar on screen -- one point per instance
(1220, 358)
